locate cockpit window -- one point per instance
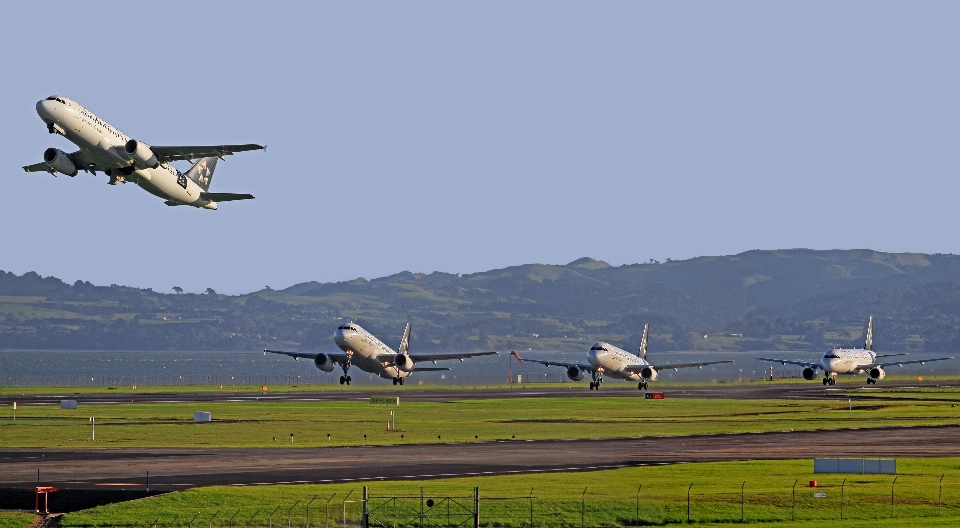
(346, 327)
(831, 355)
(57, 99)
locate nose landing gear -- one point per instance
(642, 385)
(597, 380)
(345, 379)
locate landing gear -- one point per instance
(597, 380)
(398, 381)
(871, 381)
(345, 378)
(642, 385)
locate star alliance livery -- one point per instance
(104, 148)
(606, 359)
(851, 361)
(369, 354)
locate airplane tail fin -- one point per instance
(405, 341)
(868, 345)
(202, 172)
(643, 341)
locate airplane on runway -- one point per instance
(606, 359)
(851, 361)
(369, 354)
(104, 148)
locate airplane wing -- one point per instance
(814, 366)
(891, 355)
(78, 158)
(902, 363)
(582, 366)
(426, 356)
(676, 366)
(336, 357)
(192, 153)
(429, 369)
(225, 197)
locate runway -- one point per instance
(172, 469)
(753, 390)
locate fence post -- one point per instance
(531, 507)
(421, 506)
(892, 484)
(741, 500)
(231, 518)
(326, 512)
(270, 519)
(290, 511)
(210, 523)
(190, 524)
(476, 507)
(345, 508)
(366, 496)
(688, 502)
(583, 498)
(308, 509)
(940, 496)
(250, 520)
(793, 502)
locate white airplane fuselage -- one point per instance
(367, 352)
(103, 145)
(612, 361)
(846, 361)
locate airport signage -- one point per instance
(653, 395)
(820, 495)
(385, 401)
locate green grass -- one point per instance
(610, 498)
(257, 423)
(15, 519)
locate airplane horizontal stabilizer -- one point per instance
(429, 369)
(225, 197)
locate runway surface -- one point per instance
(182, 468)
(753, 390)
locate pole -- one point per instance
(793, 503)
(476, 507)
(308, 509)
(741, 500)
(148, 480)
(892, 484)
(291, 510)
(93, 429)
(531, 507)
(638, 504)
(190, 524)
(210, 524)
(231, 518)
(688, 502)
(366, 498)
(940, 496)
(842, 484)
(345, 508)
(583, 498)
(270, 519)
(250, 520)
(326, 512)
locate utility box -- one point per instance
(653, 395)
(201, 416)
(68, 404)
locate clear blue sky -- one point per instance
(461, 137)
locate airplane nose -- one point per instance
(46, 109)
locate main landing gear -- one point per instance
(597, 380)
(871, 381)
(642, 385)
(829, 381)
(398, 381)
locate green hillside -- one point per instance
(787, 299)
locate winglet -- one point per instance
(643, 341)
(514, 354)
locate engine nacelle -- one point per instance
(809, 374)
(404, 362)
(648, 373)
(877, 373)
(574, 373)
(141, 154)
(323, 362)
(58, 160)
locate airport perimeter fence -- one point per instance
(852, 500)
(160, 380)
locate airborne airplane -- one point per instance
(104, 148)
(606, 359)
(851, 361)
(369, 354)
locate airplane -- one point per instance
(122, 159)
(606, 359)
(851, 361)
(369, 354)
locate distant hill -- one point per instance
(758, 300)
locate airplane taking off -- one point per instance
(369, 354)
(104, 148)
(851, 361)
(606, 359)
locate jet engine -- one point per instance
(141, 154)
(877, 373)
(323, 362)
(403, 362)
(574, 373)
(809, 374)
(58, 160)
(648, 373)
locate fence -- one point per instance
(848, 499)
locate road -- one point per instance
(183, 468)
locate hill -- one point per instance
(787, 299)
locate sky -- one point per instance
(467, 136)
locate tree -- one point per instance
(210, 291)
(178, 289)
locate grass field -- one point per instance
(15, 520)
(609, 498)
(257, 423)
